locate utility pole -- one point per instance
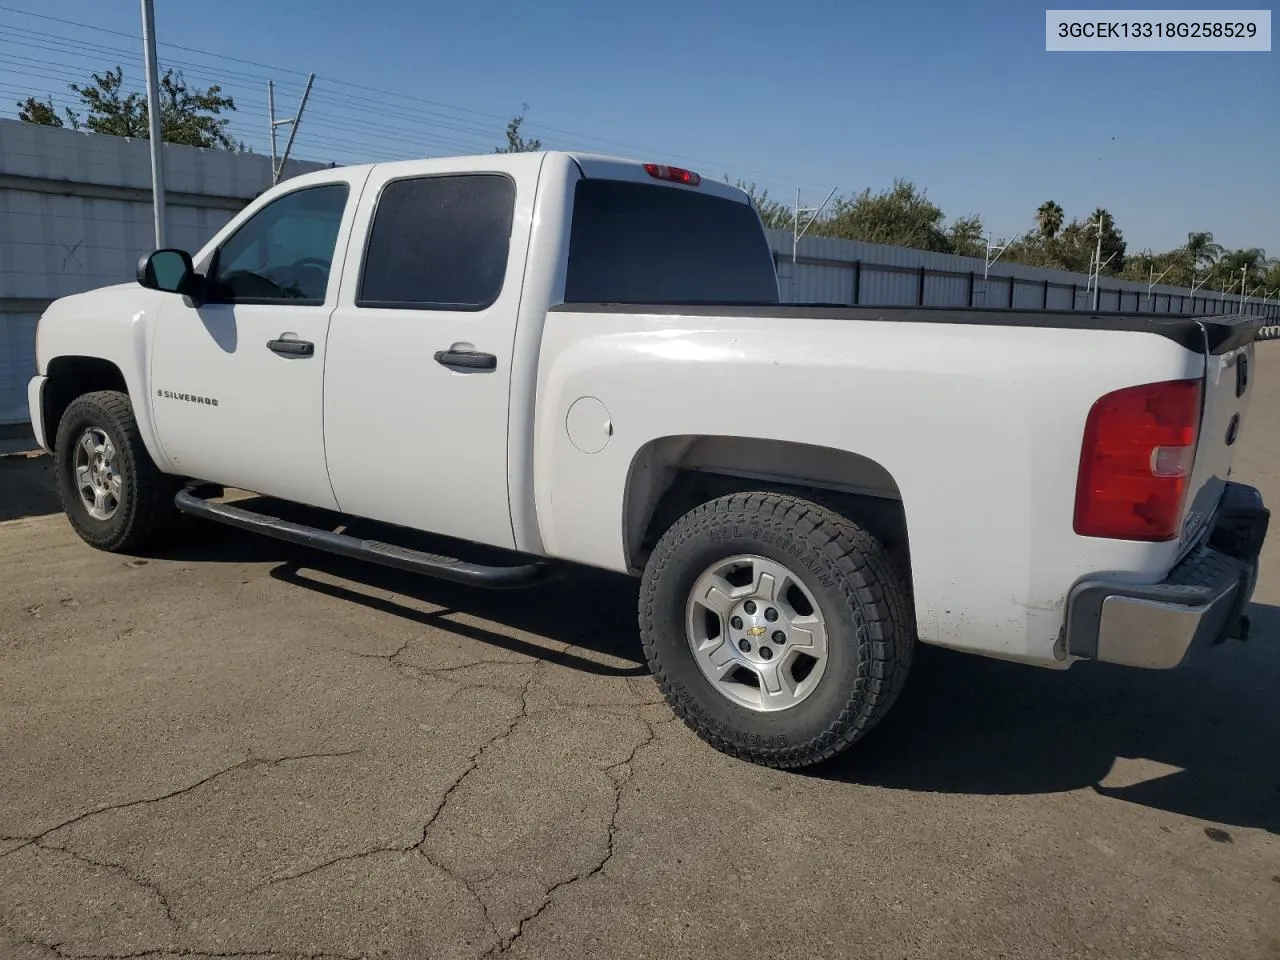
(1155, 280)
(988, 260)
(1244, 273)
(999, 249)
(153, 117)
(1097, 259)
(271, 122)
(277, 168)
(1225, 288)
(796, 231)
(1097, 276)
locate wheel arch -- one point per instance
(672, 475)
(70, 377)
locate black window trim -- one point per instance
(212, 270)
(364, 304)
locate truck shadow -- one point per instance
(592, 611)
(595, 615)
(1200, 740)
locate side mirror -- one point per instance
(170, 271)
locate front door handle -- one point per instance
(467, 361)
(292, 348)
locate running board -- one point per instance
(373, 551)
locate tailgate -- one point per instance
(1228, 385)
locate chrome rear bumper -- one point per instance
(1201, 602)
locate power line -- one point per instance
(74, 46)
(134, 36)
(476, 138)
(339, 121)
(577, 139)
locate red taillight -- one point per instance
(660, 171)
(1139, 446)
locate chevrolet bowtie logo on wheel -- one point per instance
(755, 631)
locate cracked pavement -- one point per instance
(242, 749)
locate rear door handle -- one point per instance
(467, 361)
(292, 348)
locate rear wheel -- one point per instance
(778, 630)
(114, 495)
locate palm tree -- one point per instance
(1049, 216)
(1233, 264)
(1103, 218)
(1204, 252)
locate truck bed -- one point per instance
(1219, 333)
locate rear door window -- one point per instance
(439, 243)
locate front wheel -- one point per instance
(777, 629)
(114, 495)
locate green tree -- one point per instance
(515, 142)
(1071, 249)
(1203, 251)
(1271, 279)
(1250, 264)
(774, 215)
(1172, 267)
(1113, 245)
(902, 215)
(187, 114)
(1049, 217)
(966, 235)
(40, 112)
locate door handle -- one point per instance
(467, 361)
(292, 348)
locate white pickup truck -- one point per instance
(583, 359)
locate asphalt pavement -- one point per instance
(238, 748)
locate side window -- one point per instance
(284, 252)
(439, 243)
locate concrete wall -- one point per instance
(75, 213)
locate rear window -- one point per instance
(645, 243)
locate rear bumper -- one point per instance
(35, 404)
(1202, 601)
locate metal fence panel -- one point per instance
(17, 364)
(888, 272)
(941, 290)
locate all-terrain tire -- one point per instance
(858, 588)
(145, 513)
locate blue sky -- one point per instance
(959, 97)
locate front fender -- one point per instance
(115, 324)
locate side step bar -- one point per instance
(373, 551)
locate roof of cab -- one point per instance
(592, 165)
(607, 167)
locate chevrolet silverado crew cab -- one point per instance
(583, 360)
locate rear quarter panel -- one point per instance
(980, 428)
